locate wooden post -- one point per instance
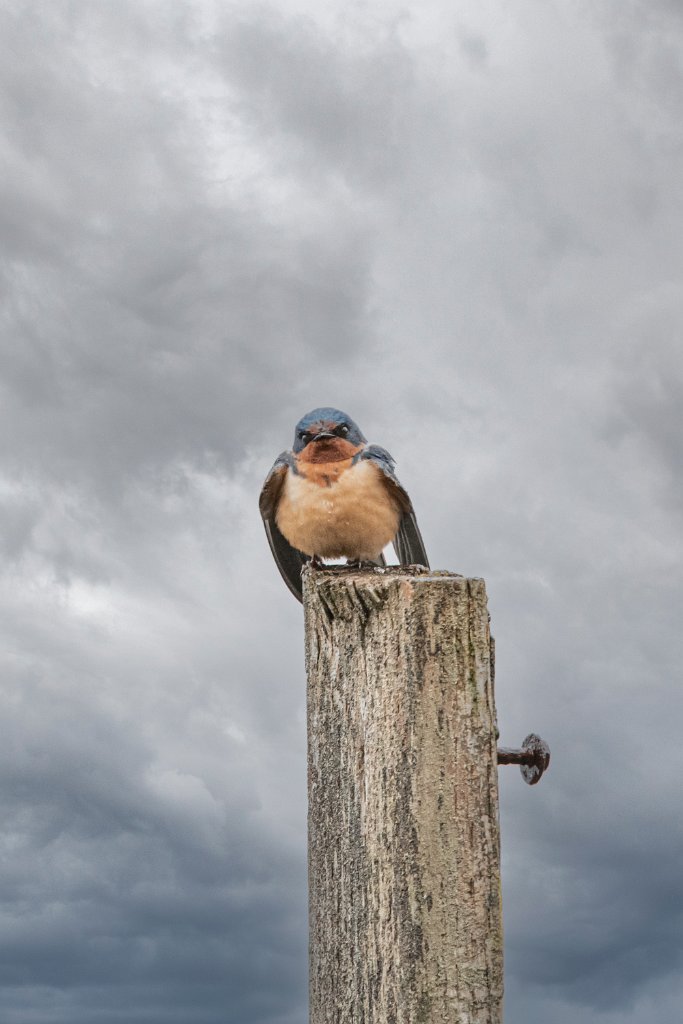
(404, 865)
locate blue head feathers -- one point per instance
(326, 420)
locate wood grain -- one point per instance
(404, 862)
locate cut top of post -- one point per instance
(366, 585)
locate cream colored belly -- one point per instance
(353, 518)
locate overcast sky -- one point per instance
(460, 222)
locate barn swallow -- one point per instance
(336, 496)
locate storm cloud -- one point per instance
(462, 226)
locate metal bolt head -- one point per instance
(540, 752)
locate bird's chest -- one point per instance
(337, 509)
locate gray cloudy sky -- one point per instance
(463, 224)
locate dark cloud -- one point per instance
(648, 391)
(148, 317)
(464, 229)
(326, 108)
(139, 841)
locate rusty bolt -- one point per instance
(533, 758)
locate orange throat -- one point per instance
(329, 449)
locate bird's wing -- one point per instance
(408, 540)
(288, 560)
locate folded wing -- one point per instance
(408, 541)
(289, 561)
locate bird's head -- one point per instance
(324, 431)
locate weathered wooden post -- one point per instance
(404, 863)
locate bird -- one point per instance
(333, 495)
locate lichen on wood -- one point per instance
(404, 863)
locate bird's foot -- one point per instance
(316, 563)
(360, 563)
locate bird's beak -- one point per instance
(323, 435)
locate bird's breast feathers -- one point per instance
(337, 509)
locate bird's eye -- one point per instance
(343, 430)
(305, 436)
